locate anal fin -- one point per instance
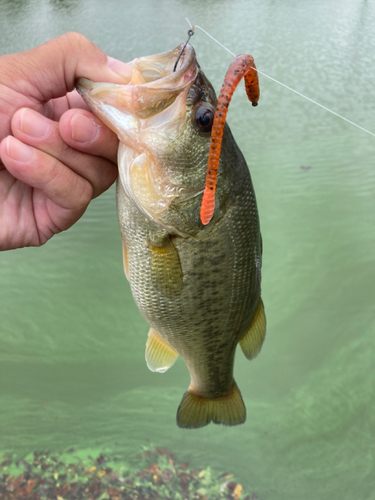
(197, 411)
(251, 343)
(159, 355)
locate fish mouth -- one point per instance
(147, 113)
(153, 86)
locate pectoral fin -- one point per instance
(159, 355)
(251, 342)
(125, 259)
(166, 272)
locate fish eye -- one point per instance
(204, 118)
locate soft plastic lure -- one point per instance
(241, 66)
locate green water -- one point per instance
(72, 369)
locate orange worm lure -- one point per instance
(241, 66)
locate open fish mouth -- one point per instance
(146, 113)
(153, 86)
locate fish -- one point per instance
(197, 285)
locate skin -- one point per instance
(55, 156)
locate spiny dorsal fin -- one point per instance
(125, 259)
(159, 355)
(166, 272)
(251, 343)
(197, 411)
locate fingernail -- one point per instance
(122, 69)
(84, 129)
(33, 124)
(18, 150)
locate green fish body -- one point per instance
(197, 286)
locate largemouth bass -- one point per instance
(198, 286)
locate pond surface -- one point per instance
(72, 368)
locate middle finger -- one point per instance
(38, 131)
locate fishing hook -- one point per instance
(190, 34)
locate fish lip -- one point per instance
(187, 62)
(83, 84)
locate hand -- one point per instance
(54, 159)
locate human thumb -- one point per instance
(50, 70)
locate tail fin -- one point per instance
(197, 411)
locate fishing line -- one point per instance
(190, 34)
(283, 84)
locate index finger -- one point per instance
(83, 131)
